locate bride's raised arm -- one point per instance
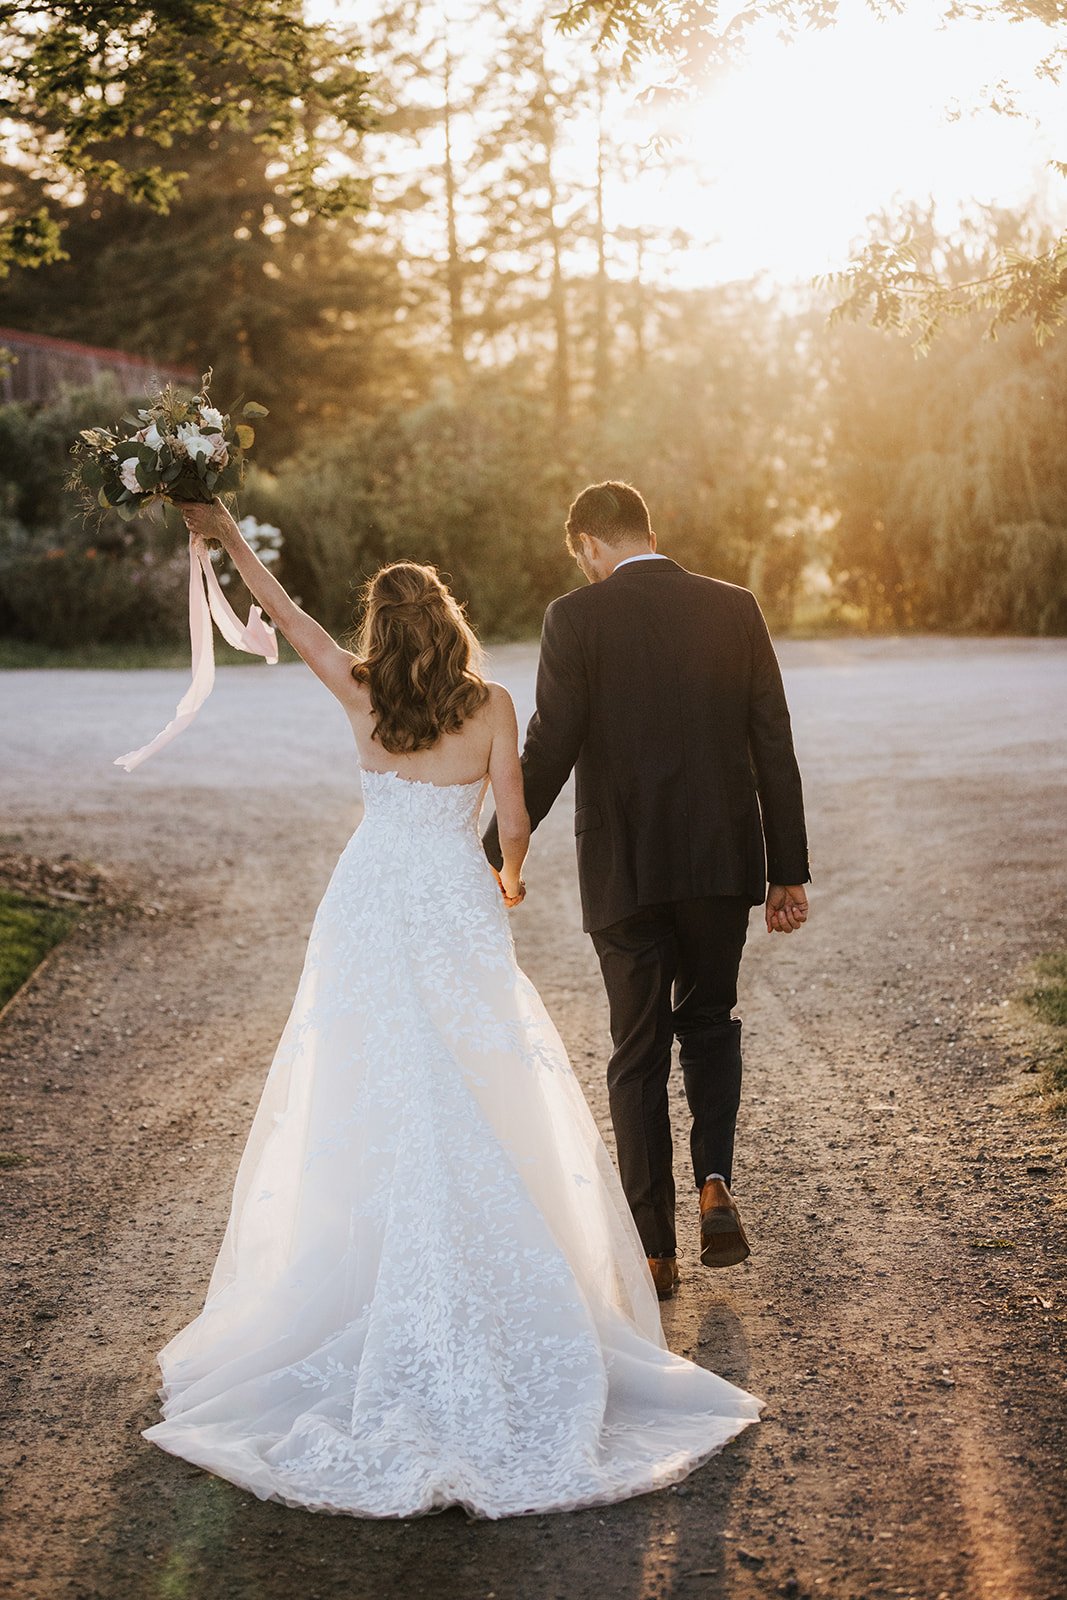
(327, 659)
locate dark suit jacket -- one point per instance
(662, 690)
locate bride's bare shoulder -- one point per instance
(499, 708)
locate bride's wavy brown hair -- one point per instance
(418, 656)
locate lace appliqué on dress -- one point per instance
(430, 1290)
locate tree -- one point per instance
(886, 281)
(288, 309)
(525, 199)
(81, 76)
(948, 477)
(428, 95)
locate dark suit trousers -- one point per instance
(671, 972)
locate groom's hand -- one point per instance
(787, 907)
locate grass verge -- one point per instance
(1047, 998)
(16, 654)
(28, 930)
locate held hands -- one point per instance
(787, 907)
(209, 521)
(512, 888)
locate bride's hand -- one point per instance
(513, 889)
(209, 520)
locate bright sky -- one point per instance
(776, 168)
(794, 150)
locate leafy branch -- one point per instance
(81, 78)
(886, 285)
(884, 281)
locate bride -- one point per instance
(430, 1291)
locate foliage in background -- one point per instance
(829, 471)
(61, 580)
(950, 481)
(94, 92)
(289, 309)
(446, 370)
(472, 485)
(888, 281)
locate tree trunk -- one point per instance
(602, 333)
(638, 313)
(557, 295)
(454, 268)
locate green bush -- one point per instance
(1022, 588)
(472, 488)
(35, 443)
(66, 581)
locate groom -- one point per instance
(661, 690)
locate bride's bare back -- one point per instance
(486, 746)
(461, 757)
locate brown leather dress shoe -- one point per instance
(722, 1238)
(664, 1270)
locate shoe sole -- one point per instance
(722, 1240)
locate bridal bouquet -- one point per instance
(174, 449)
(177, 450)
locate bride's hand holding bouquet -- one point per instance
(210, 523)
(182, 451)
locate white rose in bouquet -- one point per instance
(150, 436)
(197, 445)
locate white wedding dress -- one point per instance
(430, 1291)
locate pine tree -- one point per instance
(287, 308)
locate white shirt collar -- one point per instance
(653, 555)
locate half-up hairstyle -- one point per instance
(418, 656)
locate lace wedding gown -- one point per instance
(430, 1290)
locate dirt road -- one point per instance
(902, 1313)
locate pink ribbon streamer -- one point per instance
(255, 636)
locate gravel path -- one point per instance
(902, 1313)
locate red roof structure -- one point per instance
(44, 366)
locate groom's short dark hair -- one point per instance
(614, 512)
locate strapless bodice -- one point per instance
(414, 803)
